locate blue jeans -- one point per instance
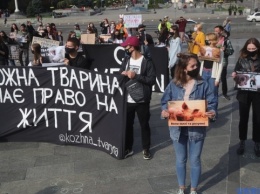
(206, 75)
(181, 150)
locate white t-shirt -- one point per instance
(134, 65)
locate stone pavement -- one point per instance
(44, 168)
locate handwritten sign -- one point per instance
(132, 21)
(45, 43)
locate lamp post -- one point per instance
(16, 6)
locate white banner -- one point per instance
(132, 21)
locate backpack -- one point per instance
(229, 50)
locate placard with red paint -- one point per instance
(189, 113)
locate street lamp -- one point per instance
(16, 6)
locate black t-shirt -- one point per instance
(79, 61)
(208, 64)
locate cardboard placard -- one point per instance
(189, 113)
(88, 38)
(209, 53)
(45, 43)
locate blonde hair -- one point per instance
(199, 26)
(213, 38)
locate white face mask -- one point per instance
(195, 29)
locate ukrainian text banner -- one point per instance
(63, 105)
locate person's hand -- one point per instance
(216, 83)
(66, 61)
(124, 73)
(210, 114)
(165, 114)
(145, 42)
(234, 74)
(130, 74)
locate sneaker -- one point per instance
(226, 97)
(128, 153)
(193, 192)
(180, 191)
(241, 148)
(257, 149)
(147, 154)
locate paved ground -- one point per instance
(43, 168)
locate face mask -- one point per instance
(128, 52)
(252, 53)
(69, 50)
(207, 42)
(195, 29)
(32, 51)
(171, 33)
(193, 73)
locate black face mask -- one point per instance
(207, 42)
(32, 51)
(127, 52)
(69, 50)
(171, 33)
(193, 73)
(252, 53)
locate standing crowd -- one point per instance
(194, 77)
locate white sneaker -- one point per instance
(180, 191)
(193, 192)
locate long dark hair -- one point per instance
(15, 26)
(244, 52)
(5, 35)
(176, 29)
(180, 76)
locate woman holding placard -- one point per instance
(187, 85)
(248, 61)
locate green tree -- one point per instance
(30, 11)
(63, 4)
(37, 5)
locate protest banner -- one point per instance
(63, 105)
(249, 81)
(187, 113)
(108, 58)
(132, 21)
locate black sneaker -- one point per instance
(147, 154)
(241, 148)
(257, 149)
(226, 97)
(128, 153)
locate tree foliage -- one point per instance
(37, 5)
(30, 11)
